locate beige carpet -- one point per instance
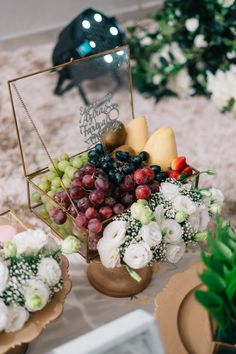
(203, 134)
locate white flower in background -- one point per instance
(114, 232)
(172, 231)
(36, 295)
(169, 190)
(151, 234)
(139, 33)
(30, 242)
(226, 3)
(156, 80)
(175, 50)
(175, 252)
(185, 204)
(159, 214)
(231, 55)
(4, 275)
(200, 219)
(217, 196)
(137, 255)
(178, 53)
(109, 253)
(17, 317)
(150, 26)
(145, 41)
(180, 83)
(199, 41)
(192, 24)
(70, 245)
(222, 86)
(49, 271)
(3, 316)
(178, 12)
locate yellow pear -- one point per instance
(137, 134)
(161, 147)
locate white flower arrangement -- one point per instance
(222, 86)
(30, 275)
(159, 229)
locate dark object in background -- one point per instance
(89, 33)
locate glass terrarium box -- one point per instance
(56, 132)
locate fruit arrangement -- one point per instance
(97, 185)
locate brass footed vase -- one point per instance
(117, 282)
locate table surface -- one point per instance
(86, 308)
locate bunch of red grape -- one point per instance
(93, 196)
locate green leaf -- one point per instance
(220, 250)
(215, 305)
(133, 274)
(212, 263)
(213, 280)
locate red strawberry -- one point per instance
(179, 163)
(188, 170)
(173, 174)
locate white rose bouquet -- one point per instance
(30, 275)
(159, 229)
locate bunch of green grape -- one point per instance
(57, 179)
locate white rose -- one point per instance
(36, 295)
(172, 231)
(114, 232)
(145, 41)
(151, 234)
(17, 317)
(109, 253)
(185, 204)
(4, 275)
(217, 196)
(156, 80)
(180, 83)
(192, 24)
(169, 190)
(200, 219)
(159, 214)
(3, 316)
(30, 242)
(231, 55)
(175, 252)
(199, 41)
(137, 255)
(49, 271)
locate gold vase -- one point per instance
(117, 282)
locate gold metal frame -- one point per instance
(56, 68)
(15, 217)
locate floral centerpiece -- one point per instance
(187, 48)
(219, 278)
(160, 228)
(30, 275)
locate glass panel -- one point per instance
(42, 205)
(71, 121)
(9, 218)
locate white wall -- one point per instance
(23, 17)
